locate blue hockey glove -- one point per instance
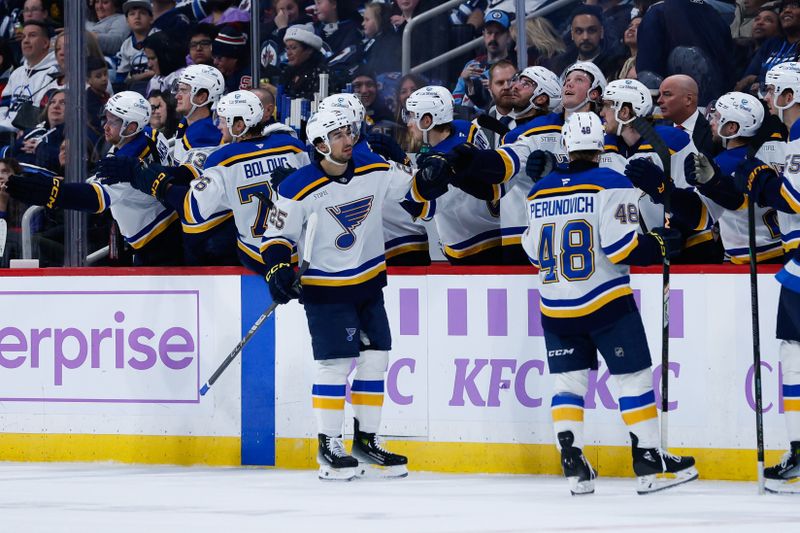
(669, 240)
(460, 157)
(282, 285)
(649, 177)
(118, 169)
(387, 147)
(433, 176)
(751, 175)
(539, 165)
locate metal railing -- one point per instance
(522, 51)
(27, 237)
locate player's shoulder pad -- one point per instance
(465, 128)
(674, 138)
(366, 161)
(137, 147)
(303, 182)
(549, 123)
(202, 133)
(728, 160)
(282, 140)
(450, 143)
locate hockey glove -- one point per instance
(701, 171)
(152, 180)
(387, 147)
(460, 157)
(540, 164)
(118, 169)
(649, 177)
(34, 189)
(280, 174)
(751, 175)
(282, 286)
(669, 240)
(433, 176)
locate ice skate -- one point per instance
(578, 471)
(334, 463)
(657, 469)
(374, 461)
(784, 478)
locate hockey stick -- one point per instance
(311, 226)
(654, 139)
(3, 236)
(492, 124)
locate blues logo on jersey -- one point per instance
(350, 216)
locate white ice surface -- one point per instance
(150, 499)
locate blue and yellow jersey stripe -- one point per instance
(698, 238)
(406, 244)
(566, 407)
(247, 156)
(275, 241)
(791, 240)
(622, 248)
(635, 409)
(311, 187)
(512, 235)
(741, 256)
(367, 392)
(478, 243)
(352, 276)
(562, 191)
(152, 230)
(327, 396)
(588, 303)
(103, 199)
(510, 161)
(249, 250)
(791, 195)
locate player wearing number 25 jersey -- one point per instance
(582, 234)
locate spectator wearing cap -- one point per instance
(776, 50)
(166, 58)
(201, 44)
(28, 84)
(683, 24)
(227, 13)
(132, 69)
(587, 33)
(365, 85)
(473, 83)
(230, 58)
(382, 46)
(305, 62)
(338, 23)
(111, 27)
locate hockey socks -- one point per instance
(785, 476)
(366, 393)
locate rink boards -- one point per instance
(107, 367)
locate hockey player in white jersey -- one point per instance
(581, 91)
(406, 238)
(235, 180)
(467, 216)
(782, 192)
(342, 289)
(736, 121)
(151, 229)
(583, 254)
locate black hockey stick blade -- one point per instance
(492, 124)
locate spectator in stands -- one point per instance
(776, 50)
(694, 24)
(473, 83)
(59, 76)
(338, 23)
(629, 39)
(745, 14)
(766, 24)
(305, 62)
(201, 42)
(430, 39)
(287, 13)
(542, 41)
(678, 103)
(34, 10)
(230, 57)
(382, 45)
(28, 84)
(111, 27)
(97, 91)
(616, 17)
(501, 85)
(6, 63)
(40, 145)
(227, 13)
(166, 17)
(407, 85)
(163, 117)
(365, 85)
(586, 30)
(165, 60)
(132, 69)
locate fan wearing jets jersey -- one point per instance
(406, 239)
(581, 91)
(467, 216)
(342, 289)
(150, 228)
(235, 180)
(623, 102)
(583, 255)
(782, 191)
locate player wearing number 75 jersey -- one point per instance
(582, 234)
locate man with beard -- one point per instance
(501, 88)
(471, 88)
(587, 34)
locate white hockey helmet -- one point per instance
(782, 77)
(743, 109)
(633, 92)
(432, 100)
(598, 80)
(583, 131)
(203, 77)
(347, 103)
(131, 107)
(240, 104)
(547, 83)
(321, 125)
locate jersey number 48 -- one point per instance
(570, 252)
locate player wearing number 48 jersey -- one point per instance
(587, 303)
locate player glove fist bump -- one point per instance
(540, 164)
(649, 177)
